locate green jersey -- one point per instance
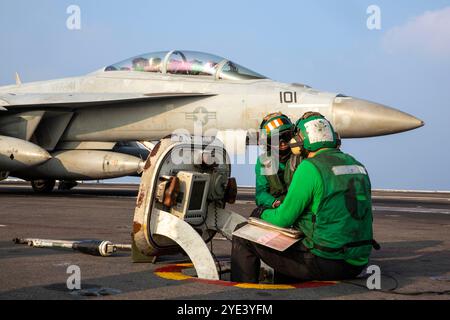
(329, 200)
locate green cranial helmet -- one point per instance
(276, 123)
(316, 132)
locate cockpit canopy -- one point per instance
(191, 63)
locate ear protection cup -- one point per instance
(338, 140)
(296, 145)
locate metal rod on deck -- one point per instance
(91, 247)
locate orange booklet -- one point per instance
(272, 238)
(293, 233)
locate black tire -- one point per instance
(67, 185)
(43, 186)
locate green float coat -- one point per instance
(267, 190)
(330, 214)
(270, 188)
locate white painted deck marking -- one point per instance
(411, 210)
(410, 198)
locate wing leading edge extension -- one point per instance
(13, 101)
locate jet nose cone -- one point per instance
(355, 118)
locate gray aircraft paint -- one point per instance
(135, 106)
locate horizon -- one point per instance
(405, 63)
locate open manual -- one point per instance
(268, 234)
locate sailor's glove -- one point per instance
(276, 204)
(257, 213)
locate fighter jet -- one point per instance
(85, 128)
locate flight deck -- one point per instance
(413, 229)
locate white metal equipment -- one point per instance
(181, 202)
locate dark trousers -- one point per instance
(296, 262)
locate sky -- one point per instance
(326, 44)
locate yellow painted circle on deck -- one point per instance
(261, 286)
(174, 272)
(176, 275)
